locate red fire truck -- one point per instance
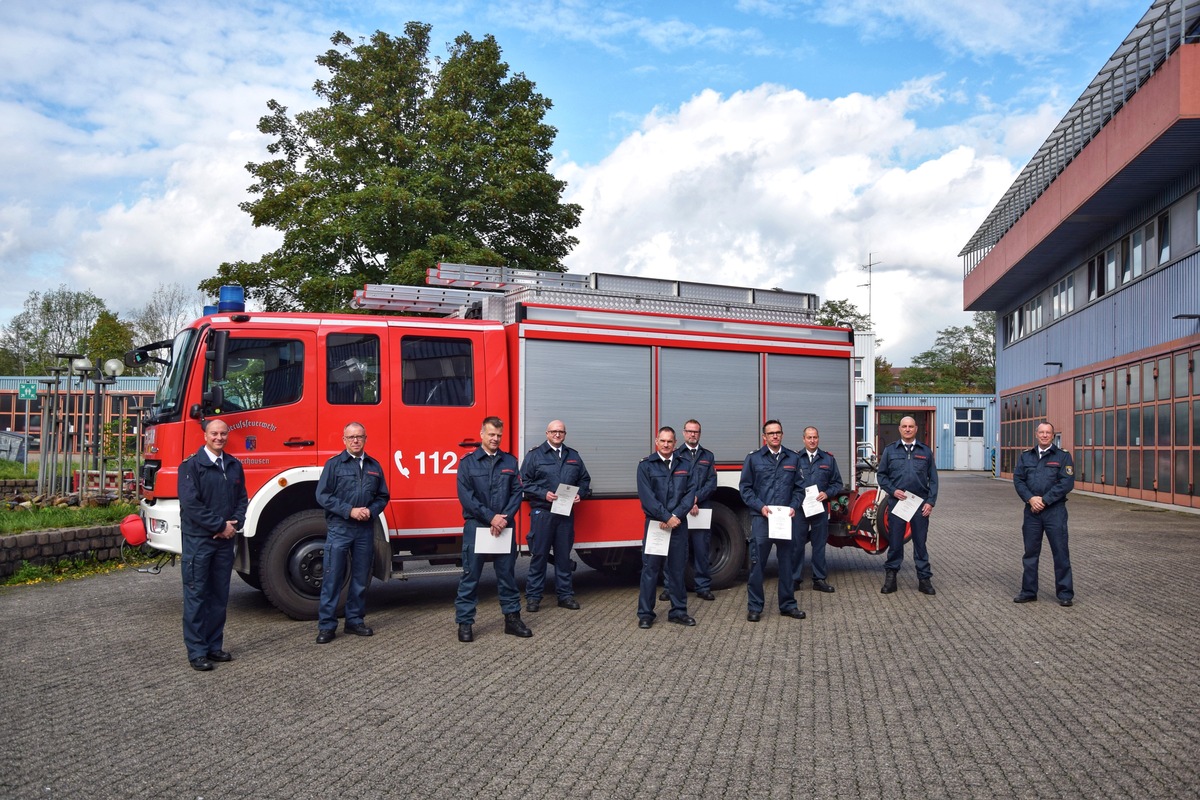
(614, 356)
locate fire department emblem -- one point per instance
(251, 443)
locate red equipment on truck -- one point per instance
(613, 356)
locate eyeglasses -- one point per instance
(773, 433)
(354, 438)
(557, 433)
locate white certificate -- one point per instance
(701, 521)
(658, 541)
(566, 499)
(486, 544)
(907, 507)
(779, 522)
(812, 506)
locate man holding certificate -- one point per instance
(770, 488)
(549, 469)
(664, 485)
(908, 475)
(489, 489)
(703, 466)
(820, 481)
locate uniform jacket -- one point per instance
(917, 474)
(1050, 477)
(208, 497)
(767, 481)
(543, 471)
(704, 473)
(664, 492)
(822, 473)
(488, 485)
(343, 486)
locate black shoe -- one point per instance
(1025, 598)
(465, 634)
(570, 603)
(705, 594)
(325, 637)
(684, 620)
(360, 630)
(664, 595)
(219, 655)
(201, 664)
(794, 613)
(513, 625)
(821, 586)
(533, 606)
(753, 616)
(889, 582)
(1066, 603)
(925, 586)
(645, 624)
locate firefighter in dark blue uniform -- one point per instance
(212, 508)
(1043, 477)
(489, 489)
(664, 486)
(353, 492)
(770, 478)
(818, 468)
(703, 466)
(907, 466)
(546, 466)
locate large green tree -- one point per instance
(411, 160)
(108, 338)
(961, 361)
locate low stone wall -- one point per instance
(46, 547)
(11, 486)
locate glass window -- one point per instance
(1181, 375)
(1122, 432)
(1164, 239)
(1136, 253)
(1148, 469)
(858, 367)
(1164, 378)
(1099, 398)
(1148, 382)
(1070, 293)
(1135, 470)
(1134, 384)
(1135, 427)
(1110, 475)
(1181, 472)
(1148, 427)
(1110, 268)
(1196, 423)
(1121, 476)
(1181, 424)
(1164, 425)
(1164, 470)
(1078, 395)
(1108, 389)
(261, 373)
(352, 369)
(437, 371)
(1108, 428)
(1126, 261)
(1095, 279)
(1089, 429)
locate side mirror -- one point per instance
(217, 352)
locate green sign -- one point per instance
(27, 391)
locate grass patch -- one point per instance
(14, 470)
(76, 567)
(20, 520)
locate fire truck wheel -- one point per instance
(292, 565)
(727, 548)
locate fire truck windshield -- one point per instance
(169, 396)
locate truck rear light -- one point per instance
(157, 526)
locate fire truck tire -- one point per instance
(727, 548)
(292, 565)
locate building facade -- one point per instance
(1091, 260)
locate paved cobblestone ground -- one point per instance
(904, 696)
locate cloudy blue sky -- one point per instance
(756, 142)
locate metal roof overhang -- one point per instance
(1171, 155)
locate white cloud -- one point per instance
(770, 187)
